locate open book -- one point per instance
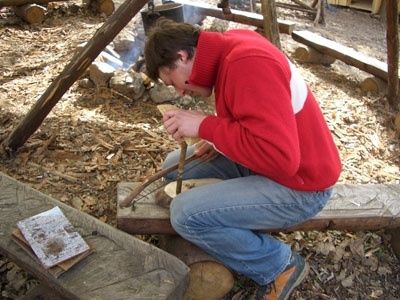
(52, 239)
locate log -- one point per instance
(106, 7)
(343, 53)
(352, 207)
(237, 16)
(78, 65)
(303, 5)
(24, 2)
(373, 85)
(392, 38)
(270, 24)
(31, 13)
(100, 73)
(208, 279)
(310, 11)
(309, 55)
(121, 267)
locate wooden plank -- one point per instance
(238, 16)
(339, 2)
(345, 54)
(352, 207)
(376, 6)
(361, 4)
(270, 22)
(121, 267)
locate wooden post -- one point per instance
(271, 30)
(320, 16)
(79, 63)
(392, 38)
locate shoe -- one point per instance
(283, 285)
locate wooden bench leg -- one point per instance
(208, 279)
(373, 85)
(395, 240)
(310, 55)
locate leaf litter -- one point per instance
(94, 139)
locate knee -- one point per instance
(178, 215)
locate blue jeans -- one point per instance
(223, 218)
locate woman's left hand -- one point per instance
(183, 123)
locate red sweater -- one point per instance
(267, 118)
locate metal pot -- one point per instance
(170, 10)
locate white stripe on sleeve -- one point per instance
(298, 88)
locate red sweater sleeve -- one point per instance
(255, 123)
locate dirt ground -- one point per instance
(95, 138)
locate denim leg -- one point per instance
(219, 167)
(221, 218)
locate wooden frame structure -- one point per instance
(79, 63)
(113, 25)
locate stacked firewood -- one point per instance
(34, 11)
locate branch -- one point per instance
(129, 200)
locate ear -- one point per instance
(183, 55)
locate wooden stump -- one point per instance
(24, 2)
(310, 55)
(106, 7)
(395, 241)
(31, 13)
(373, 85)
(208, 279)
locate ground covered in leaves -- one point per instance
(95, 138)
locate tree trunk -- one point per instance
(271, 30)
(78, 65)
(392, 38)
(31, 13)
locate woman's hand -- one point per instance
(183, 123)
(205, 151)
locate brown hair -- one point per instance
(165, 39)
